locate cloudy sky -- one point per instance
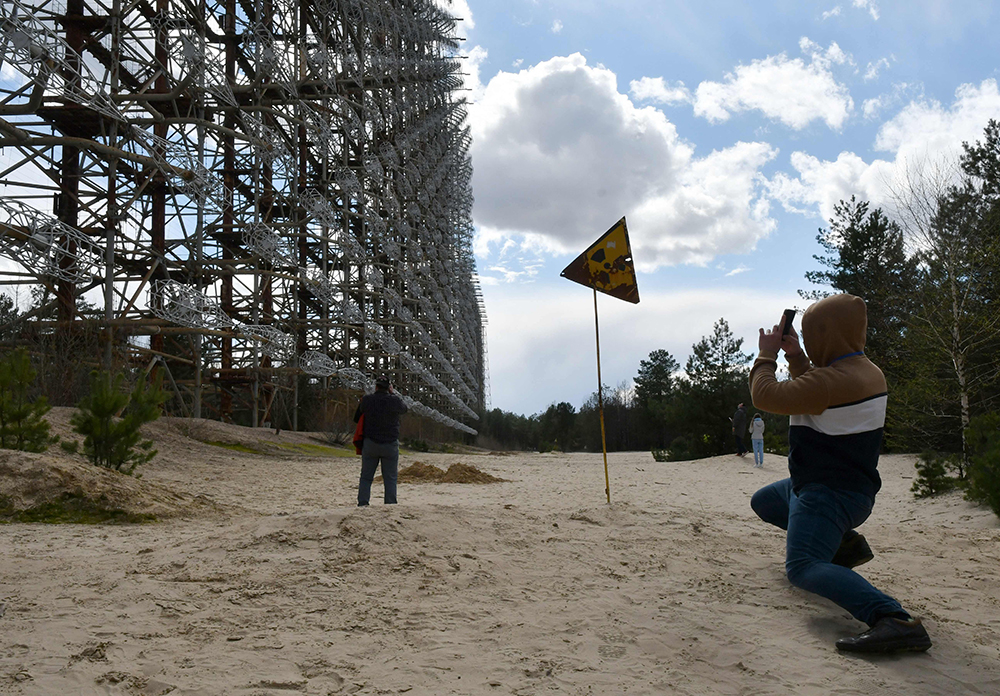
(724, 131)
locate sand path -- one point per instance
(531, 586)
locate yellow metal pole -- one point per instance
(600, 402)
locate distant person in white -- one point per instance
(757, 439)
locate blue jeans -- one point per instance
(758, 451)
(817, 519)
(372, 453)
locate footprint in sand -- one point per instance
(611, 651)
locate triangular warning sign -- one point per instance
(607, 265)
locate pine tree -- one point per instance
(22, 421)
(716, 381)
(867, 257)
(557, 426)
(934, 475)
(9, 315)
(984, 470)
(112, 442)
(655, 392)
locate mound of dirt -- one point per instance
(47, 488)
(463, 473)
(418, 472)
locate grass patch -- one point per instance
(320, 450)
(70, 509)
(246, 449)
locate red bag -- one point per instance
(359, 435)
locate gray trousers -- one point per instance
(373, 453)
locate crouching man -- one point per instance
(836, 400)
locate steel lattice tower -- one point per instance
(262, 187)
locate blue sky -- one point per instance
(724, 131)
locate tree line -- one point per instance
(683, 413)
(929, 271)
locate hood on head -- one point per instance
(833, 327)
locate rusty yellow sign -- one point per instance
(607, 265)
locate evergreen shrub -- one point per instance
(680, 449)
(984, 469)
(22, 420)
(934, 474)
(112, 441)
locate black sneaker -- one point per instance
(889, 634)
(853, 552)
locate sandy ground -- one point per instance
(531, 586)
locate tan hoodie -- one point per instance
(836, 400)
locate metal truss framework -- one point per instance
(263, 186)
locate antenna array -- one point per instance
(264, 187)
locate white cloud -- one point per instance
(509, 275)
(559, 155)
(870, 6)
(736, 271)
(485, 238)
(717, 207)
(473, 69)
(900, 92)
(871, 107)
(788, 90)
(822, 183)
(835, 12)
(517, 63)
(557, 26)
(460, 10)
(873, 69)
(656, 90)
(925, 131)
(832, 54)
(516, 261)
(927, 125)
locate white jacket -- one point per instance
(757, 429)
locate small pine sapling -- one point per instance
(933, 475)
(22, 421)
(111, 441)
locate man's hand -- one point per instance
(772, 341)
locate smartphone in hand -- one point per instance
(789, 316)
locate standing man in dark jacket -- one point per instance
(836, 402)
(381, 410)
(740, 428)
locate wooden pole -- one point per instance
(600, 402)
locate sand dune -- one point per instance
(528, 586)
